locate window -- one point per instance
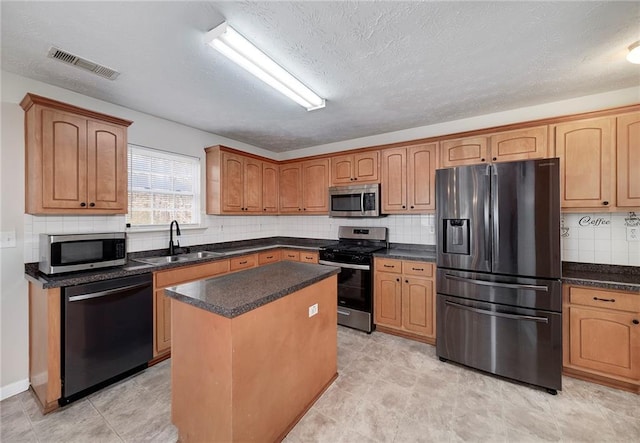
(163, 186)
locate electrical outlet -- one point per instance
(313, 310)
(8, 239)
(633, 233)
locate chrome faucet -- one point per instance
(177, 245)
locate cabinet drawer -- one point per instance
(291, 255)
(309, 257)
(388, 265)
(185, 274)
(244, 262)
(269, 257)
(620, 301)
(417, 268)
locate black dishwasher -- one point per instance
(107, 333)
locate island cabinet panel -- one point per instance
(252, 377)
(602, 336)
(76, 159)
(628, 160)
(464, 151)
(586, 149)
(44, 345)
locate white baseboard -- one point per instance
(14, 388)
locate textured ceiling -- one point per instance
(382, 66)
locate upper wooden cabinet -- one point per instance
(628, 160)
(518, 144)
(236, 183)
(355, 168)
(76, 159)
(408, 178)
(304, 187)
(270, 183)
(586, 149)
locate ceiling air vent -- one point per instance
(83, 63)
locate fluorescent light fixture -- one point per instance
(226, 40)
(634, 53)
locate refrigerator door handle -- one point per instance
(497, 283)
(498, 314)
(494, 222)
(487, 232)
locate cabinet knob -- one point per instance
(299, 209)
(264, 209)
(635, 321)
(411, 207)
(355, 178)
(406, 281)
(482, 159)
(606, 203)
(92, 204)
(403, 207)
(83, 204)
(304, 209)
(351, 178)
(397, 279)
(495, 158)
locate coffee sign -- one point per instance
(598, 221)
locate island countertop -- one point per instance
(234, 294)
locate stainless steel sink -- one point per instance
(179, 258)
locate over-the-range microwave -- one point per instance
(78, 252)
(354, 201)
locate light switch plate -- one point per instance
(633, 233)
(8, 239)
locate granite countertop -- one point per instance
(426, 253)
(234, 294)
(624, 278)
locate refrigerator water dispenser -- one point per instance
(456, 236)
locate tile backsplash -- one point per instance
(418, 229)
(588, 238)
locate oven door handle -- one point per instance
(345, 265)
(496, 283)
(498, 314)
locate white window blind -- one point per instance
(163, 186)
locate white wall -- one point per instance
(162, 134)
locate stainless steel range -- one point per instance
(353, 253)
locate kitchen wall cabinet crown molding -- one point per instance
(404, 298)
(75, 159)
(601, 330)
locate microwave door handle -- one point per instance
(362, 203)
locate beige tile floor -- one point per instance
(389, 390)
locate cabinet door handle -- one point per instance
(635, 321)
(495, 158)
(606, 203)
(406, 281)
(612, 300)
(417, 269)
(243, 262)
(92, 204)
(83, 204)
(397, 279)
(389, 266)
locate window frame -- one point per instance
(196, 164)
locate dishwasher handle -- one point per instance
(105, 293)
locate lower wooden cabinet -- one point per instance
(270, 256)
(404, 298)
(602, 336)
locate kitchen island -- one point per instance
(252, 351)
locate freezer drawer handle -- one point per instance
(498, 314)
(105, 293)
(344, 312)
(497, 284)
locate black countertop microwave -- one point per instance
(78, 252)
(354, 201)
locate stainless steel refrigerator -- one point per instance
(499, 296)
